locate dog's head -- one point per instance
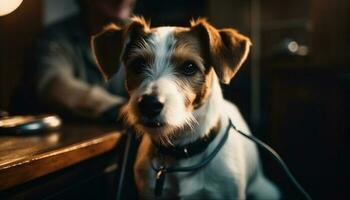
(169, 70)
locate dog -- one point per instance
(172, 76)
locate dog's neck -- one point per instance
(207, 116)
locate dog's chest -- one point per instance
(220, 179)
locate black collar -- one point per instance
(162, 170)
(191, 149)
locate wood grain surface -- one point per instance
(24, 158)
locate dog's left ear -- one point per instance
(107, 48)
(227, 49)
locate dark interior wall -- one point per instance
(304, 98)
(224, 13)
(18, 31)
(175, 13)
(330, 32)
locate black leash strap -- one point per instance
(277, 157)
(162, 170)
(129, 137)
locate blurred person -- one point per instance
(63, 76)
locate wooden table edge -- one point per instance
(45, 163)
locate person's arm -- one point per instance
(78, 96)
(58, 87)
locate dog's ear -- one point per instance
(138, 27)
(108, 45)
(107, 48)
(226, 48)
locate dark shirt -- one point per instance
(65, 75)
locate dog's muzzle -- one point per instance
(150, 108)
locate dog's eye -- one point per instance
(138, 65)
(189, 68)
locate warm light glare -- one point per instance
(8, 6)
(293, 46)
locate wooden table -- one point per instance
(26, 158)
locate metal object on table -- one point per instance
(29, 124)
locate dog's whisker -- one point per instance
(169, 141)
(192, 122)
(165, 140)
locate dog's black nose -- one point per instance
(150, 106)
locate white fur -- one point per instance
(160, 41)
(228, 174)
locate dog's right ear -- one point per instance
(108, 45)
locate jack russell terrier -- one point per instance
(172, 76)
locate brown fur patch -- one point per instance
(190, 48)
(136, 51)
(227, 49)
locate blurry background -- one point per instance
(294, 90)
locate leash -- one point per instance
(277, 157)
(129, 137)
(163, 170)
